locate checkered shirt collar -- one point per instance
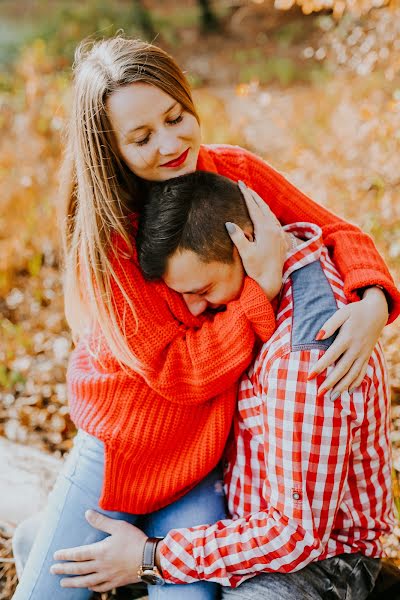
(307, 252)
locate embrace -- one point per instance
(227, 384)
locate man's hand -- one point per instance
(104, 565)
(263, 257)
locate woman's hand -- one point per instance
(264, 255)
(104, 565)
(360, 324)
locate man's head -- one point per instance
(182, 238)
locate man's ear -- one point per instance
(248, 232)
(249, 235)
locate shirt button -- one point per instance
(296, 496)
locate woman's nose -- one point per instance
(168, 144)
(195, 305)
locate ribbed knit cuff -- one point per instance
(356, 281)
(258, 309)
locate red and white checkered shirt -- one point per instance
(307, 478)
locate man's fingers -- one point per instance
(79, 553)
(73, 568)
(332, 324)
(83, 582)
(102, 522)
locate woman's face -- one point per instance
(156, 137)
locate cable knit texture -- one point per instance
(166, 429)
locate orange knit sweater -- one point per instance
(164, 431)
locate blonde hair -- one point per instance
(101, 190)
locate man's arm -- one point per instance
(307, 447)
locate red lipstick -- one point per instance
(177, 162)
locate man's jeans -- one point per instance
(344, 577)
(63, 525)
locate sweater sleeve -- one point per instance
(353, 251)
(187, 365)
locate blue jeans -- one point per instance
(78, 488)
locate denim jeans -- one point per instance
(63, 525)
(343, 577)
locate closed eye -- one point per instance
(178, 119)
(145, 140)
(195, 293)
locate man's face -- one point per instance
(204, 285)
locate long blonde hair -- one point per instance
(100, 189)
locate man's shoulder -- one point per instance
(313, 303)
(307, 301)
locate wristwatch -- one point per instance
(148, 572)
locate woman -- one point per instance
(152, 383)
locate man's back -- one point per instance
(320, 469)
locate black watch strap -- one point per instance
(149, 552)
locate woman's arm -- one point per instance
(359, 324)
(186, 364)
(353, 251)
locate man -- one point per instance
(307, 480)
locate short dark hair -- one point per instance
(189, 213)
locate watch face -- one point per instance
(152, 578)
